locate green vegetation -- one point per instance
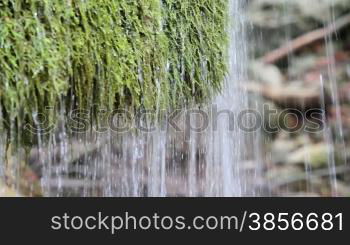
(114, 54)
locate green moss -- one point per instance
(114, 54)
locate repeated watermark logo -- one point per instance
(196, 120)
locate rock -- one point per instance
(19, 174)
(302, 64)
(317, 155)
(277, 13)
(29, 183)
(291, 177)
(277, 20)
(281, 147)
(272, 13)
(266, 73)
(282, 173)
(294, 95)
(320, 10)
(342, 189)
(76, 151)
(6, 191)
(301, 194)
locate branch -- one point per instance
(305, 40)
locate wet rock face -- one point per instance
(90, 55)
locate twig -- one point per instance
(305, 40)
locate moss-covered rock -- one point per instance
(114, 54)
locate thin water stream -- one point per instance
(221, 160)
(162, 162)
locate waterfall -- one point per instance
(160, 163)
(199, 137)
(225, 144)
(199, 149)
(164, 162)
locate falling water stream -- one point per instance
(165, 162)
